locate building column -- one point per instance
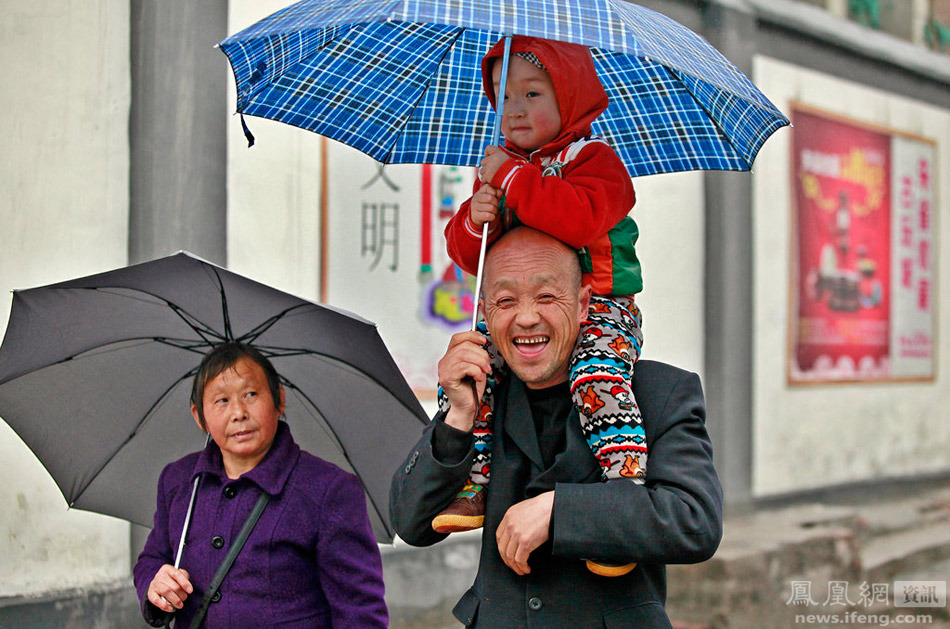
(178, 150)
(729, 284)
(177, 142)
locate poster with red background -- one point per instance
(842, 190)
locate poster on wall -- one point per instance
(863, 306)
(384, 255)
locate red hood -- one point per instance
(580, 95)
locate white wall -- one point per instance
(273, 188)
(820, 435)
(670, 214)
(64, 213)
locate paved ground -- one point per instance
(841, 551)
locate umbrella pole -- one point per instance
(191, 506)
(496, 134)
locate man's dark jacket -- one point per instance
(676, 517)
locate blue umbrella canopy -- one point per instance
(400, 79)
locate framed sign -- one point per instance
(383, 255)
(862, 295)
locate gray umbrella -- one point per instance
(95, 377)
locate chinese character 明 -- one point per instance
(380, 229)
(801, 594)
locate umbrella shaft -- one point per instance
(496, 137)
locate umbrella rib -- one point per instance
(271, 351)
(329, 429)
(197, 326)
(709, 115)
(132, 435)
(422, 93)
(264, 326)
(228, 334)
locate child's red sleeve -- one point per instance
(591, 195)
(463, 238)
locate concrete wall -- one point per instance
(670, 215)
(273, 188)
(64, 212)
(816, 436)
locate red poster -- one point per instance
(842, 187)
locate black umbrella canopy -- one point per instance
(95, 377)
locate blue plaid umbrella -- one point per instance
(400, 81)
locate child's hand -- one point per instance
(484, 206)
(494, 158)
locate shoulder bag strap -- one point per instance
(229, 559)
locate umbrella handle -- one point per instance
(191, 506)
(496, 137)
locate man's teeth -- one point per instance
(531, 341)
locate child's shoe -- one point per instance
(604, 569)
(466, 512)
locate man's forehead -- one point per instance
(527, 279)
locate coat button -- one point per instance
(534, 603)
(217, 541)
(216, 597)
(230, 491)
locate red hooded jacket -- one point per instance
(574, 188)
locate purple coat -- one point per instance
(311, 560)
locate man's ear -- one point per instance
(283, 401)
(583, 302)
(194, 413)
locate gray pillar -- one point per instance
(177, 179)
(178, 149)
(728, 286)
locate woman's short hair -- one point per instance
(221, 358)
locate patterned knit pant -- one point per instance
(601, 366)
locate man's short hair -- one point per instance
(221, 358)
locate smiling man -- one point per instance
(547, 509)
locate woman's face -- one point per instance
(241, 415)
